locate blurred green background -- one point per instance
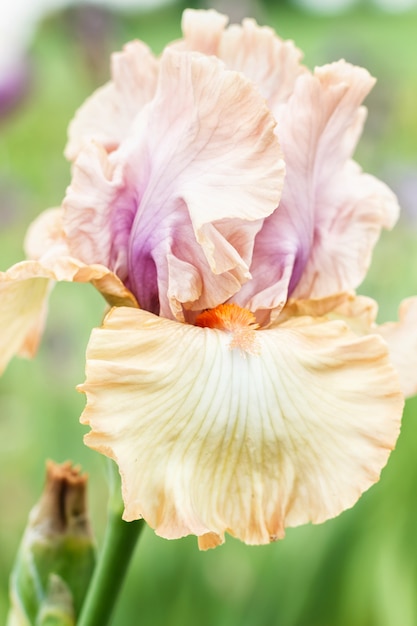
(357, 570)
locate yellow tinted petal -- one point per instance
(211, 439)
(401, 337)
(24, 291)
(22, 316)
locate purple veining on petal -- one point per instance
(174, 219)
(151, 240)
(281, 251)
(121, 224)
(143, 274)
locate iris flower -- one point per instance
(237, 380)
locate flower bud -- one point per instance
(56, 558)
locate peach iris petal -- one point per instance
(360, 313)
(268, 61)
(320, 239)
(347, 209)
(212, 440)
(187, 191)
(22, 312)
(401, 338)
(106, 116)
(46, 244)
(202, 30)
(25, 287)
(24, 291)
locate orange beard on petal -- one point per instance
(239, 322)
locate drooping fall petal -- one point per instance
(25, 287)
(22, 312)
(212, 439)
(360, 313)
(189, 188)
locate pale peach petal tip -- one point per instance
(209, 540)
(203, 30)
(401, 338)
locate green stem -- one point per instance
(119, 543)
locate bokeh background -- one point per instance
(357, 570)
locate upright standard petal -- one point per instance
(347, 208)
(106, 116)
(220, 439)
(272, 64)
(24, 291)
(202, 30)
(319, 241)
(175, 210)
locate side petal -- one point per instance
(212, 440)
(342, 249)
(24, 291)
(401, 338)
(88, 205)
(22, 315)
(25, 287)
(320, 239)
(107, 115)
(200, 171)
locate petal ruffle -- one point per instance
(360, 313)
(24, 291)
(47, 247)
(320, 239)
(25, 287)
(190, 187)
(202, 30)
(22, 313)
(401, 338)
(107, 115)
(209, 440)
(342, 250)
(272, 64)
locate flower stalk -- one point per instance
(118, 547)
